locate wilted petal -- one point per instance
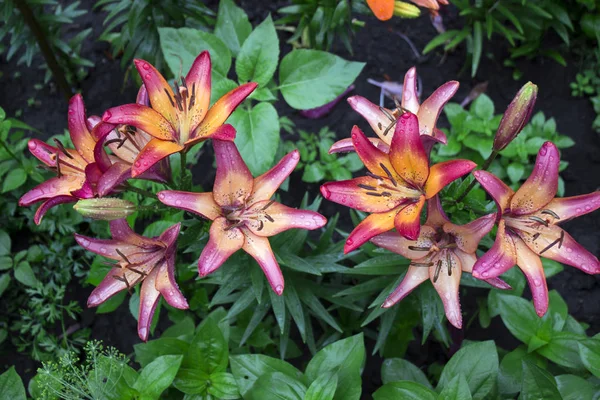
(392, 241)
(383, 9)
(377, 117)
(202, 204)
(267, 184)
(413, 278)
(410, 96)
(407, 153)
(443, 173)
(576, 206)
(48, 204)
(346, 145)
(149, 297)
(260, 249)
(142, 117)
(222, 243)
(376, 161)
(468, 236)
(408, 220)
(365, 197)
(198, 81)
(531, 265)
(80, 135)
(159, 92)
(430, 109)
(222, 109)
(436, 217)
(118, 173)
(154, 151)
(167, 286)
(542, 184)
(233, 182)
(447, 284)
(373, 225)
(271, 218)
(499, 191)
(499, 259)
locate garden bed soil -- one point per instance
(386, 55)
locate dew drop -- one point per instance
(107, 115)
(177, 202)
(103, 250)
(146, 66)
(279, 289)
(485, 274)
(537, 282)
(32, 145)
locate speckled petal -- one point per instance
(149, 297)
(392, 241)
(202, 204)
(145, 118)
(48, 204)
(154, 151)
(371, 226)
(346, 145)
(375, 116)
(233, 182)
(198, 80)
(118, 173)
(499, 259)
(531, 265)
(366, 197)
(431, 108)
(467, 261)
(376, 161)
(80, 135)
(122, 232)
(267, 184)
(53, 187)
(167, 285)
(260, 249)
(444, 173)
(413, 278)
(272, 218)
(576, 206)
(223, 242)
(408, 220)
(499, 191)
(447, 285)
(108, 248)
(407, 153)
(436, 217)
(410, 96)
(159, 93)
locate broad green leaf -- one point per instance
(157, 376)
(573, 387)
(515, 171)
(322, 388)
(11, 385)
(563, 350)
(519, 316)
(312, 78)
(247, 368)
(146, 352)
(478, 362)
(257, 60)
(456, 389)
(589, 351)
(276, 385)
(14, 179)
(112, 379)
(5, 263)
(397, 369)
(483, 107)
(232, 25)
(404, 390)
(511, 370)
(223, 386)
(538, 384)
(4, 281)
(477, 44)
(156, 228)
(25, 275)
(112, 303)
(257, 135)
(4, 243)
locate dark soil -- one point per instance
(386, 55)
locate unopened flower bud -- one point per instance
(516, 116)
(106, 209)
(406, 10)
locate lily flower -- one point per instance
(397, 183)
(78, 170)
(179, 117)
(383, 120)
(138, 259)
(385, 9)
(441, 253)
(242, 213)
(528, 226)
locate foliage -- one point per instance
(52, 17)
(587, 84)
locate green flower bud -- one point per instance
(106, 209)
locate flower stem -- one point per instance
(143, 192)
(484, 167)
(183, 171)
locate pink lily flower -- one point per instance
(383, 121)
(181, 118)
(397, 183)
(138, 259)
(242, 213)
(528, 226)
(441, 253)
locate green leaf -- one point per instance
(511, 370)
(563, 350)
(346, 357)
(111, 304)
(477, 43)
(232, 26)
(11, 385)
(258, 136)
(6, 263)
(457, 389)
(572, 387)
(538, 384)
(397, 369)
(257, 60)
(14, 179)
(4, 243)
(515, 171)
(156, 228)
(478, 362)
(157, 376)
(247, 368)
(323, 388)
(187, 44)
(440, 39)
(519, 316)
(223, 386)
(25, 275)
(483, 107)
(4, 281)
(312, 78)
(589, 351)
(151, 350)
(275, 385)
(404, 390)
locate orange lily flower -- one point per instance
(441, 253)
(528, 226)
(139, 259)
(78, 170)
(397, 184)
(177, 119)
(242, 213)
(384, 9)
(383, 120)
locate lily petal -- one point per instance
(576, 206)
(376, 161)
(198, 81)
(413, 278)
(383, 9)
(48, 204)
(222, 243)
(346, 146)
(436, 217)
(158, 90)
(167, 286)
(468, 236)
(371, 226)
(542, 184)
(112, 284)
(260, 249)
(431, 108)
(362, 197)
(408, 220)
(80, 136)
(499, 191)
(122, 232)
(43, 152)
(222, 109)
(447, 285)
(154, 151)
(142, 96)
(443, 173)
(273, 218)
(108, 248)
(410, 96)
(233, 181)
(377, 117)
(53, 187)
(267, 184)
(118, 173)
(202, 204)
(430, 141)
(392, 241)
(531, 265)
(500, 258)
(407, 153)
(142, 117)
(468, 260)
(149, 297)
(169, 237)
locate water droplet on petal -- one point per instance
(279, 289)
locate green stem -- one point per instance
(484, 167)
(182, 172)
(143, 192)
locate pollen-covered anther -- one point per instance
(558, 241)
(419, 248)
(61, 147)
(540, 220)
(423, 265)
(366, 187)
(449, 261)
(124, 280)
(123, 256)
(438, 269)
(389, 174)
(269, 204)
(550, 212)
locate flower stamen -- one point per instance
(550, 212)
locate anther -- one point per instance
(387, 113)
(389, 127)
(367, 187)
(414, 264)
(550, 212)
(141, 273)
(124, 280)
(372, 175)
(386, 194)
(261, 225)
(389, 174)
(123, 256)
(419, 248)
(58, 172)
(267, 205)
(551, 245)
(537, 235)
(379, 125)
(193, 96)
(169, 96)
(183, 83)
(375, 194)
(267, 216)
(538, 219)
(449, 261)
(562, 237)
(62, 148)
(438, 268)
